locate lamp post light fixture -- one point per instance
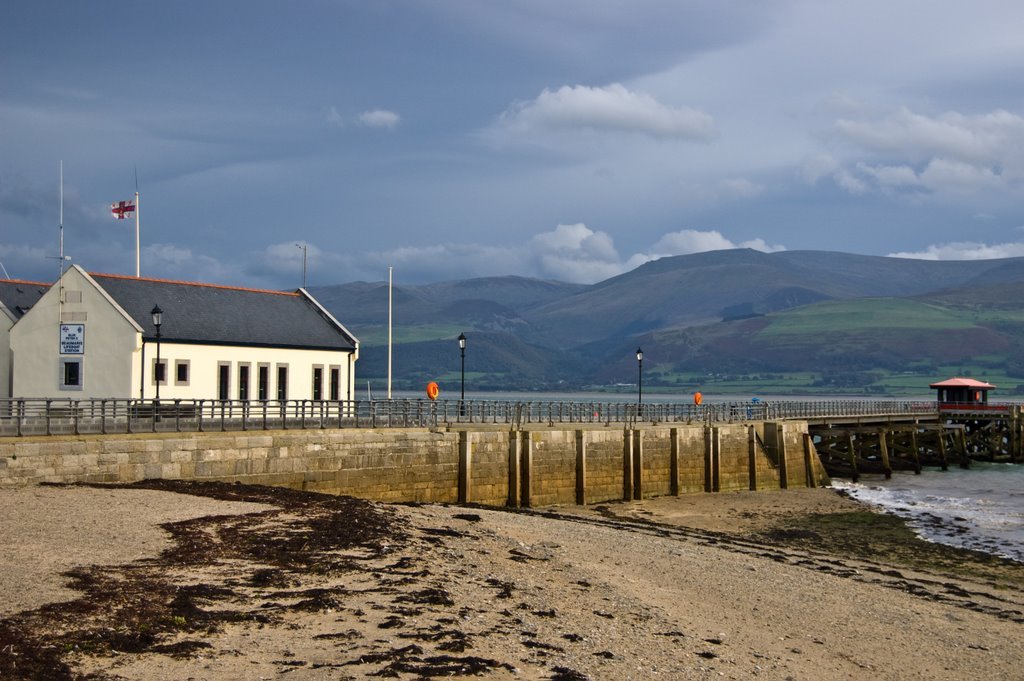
(639, 377)
(158, 319)
(462, 352)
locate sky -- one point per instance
(559, 139)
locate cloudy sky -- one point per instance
(568, 139)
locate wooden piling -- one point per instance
(965, 459)
(854, 473)
(943, 459)
(883, 449)
(914, 451)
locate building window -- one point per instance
(181, 368)
(263, 382)
(160, 372)
(335, 383)
(318, 383)
(243, 382)
(224, 381)
(70, 374)
(282, 382)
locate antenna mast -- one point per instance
(61, 222)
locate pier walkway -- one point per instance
(22, 417)
(850, 437)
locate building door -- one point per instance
(282, 383)
(335, 384)
(223, 381)
(243, 382)
(318, 383)
(263, 391)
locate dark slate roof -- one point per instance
(224, 315)
(18, 296)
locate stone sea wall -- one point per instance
(532, 466)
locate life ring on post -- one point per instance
(432, 390)
(698, 398)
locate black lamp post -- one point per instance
(462, 352)
(158, 318)
(640, 377)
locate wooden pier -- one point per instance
(956, 434)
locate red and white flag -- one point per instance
(122, 209)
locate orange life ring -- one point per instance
(698, 398)
(432, 390)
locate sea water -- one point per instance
(979, 508)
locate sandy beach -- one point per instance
(219, 581)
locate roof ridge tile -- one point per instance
(193, 283)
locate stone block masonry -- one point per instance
(489, 465)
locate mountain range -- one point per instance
(736, 320)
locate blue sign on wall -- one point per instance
(72, 339)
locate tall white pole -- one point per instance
(61, 223)
(60, 263)
(137, 209)
(390, 280)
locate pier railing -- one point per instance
(23, 417)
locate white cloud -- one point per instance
(573, 253)
(612, 109)
(976, 139)
(957, 154)
(379, 118)
(965, 250)
(957, 177)
(688, 241)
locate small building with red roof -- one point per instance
(965, 391)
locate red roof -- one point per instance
(958, 382)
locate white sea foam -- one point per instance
(981, 508)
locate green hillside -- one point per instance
(735, 321)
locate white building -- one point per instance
(93, 336)
(16, 298)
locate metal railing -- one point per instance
(23, 417)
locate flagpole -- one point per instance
(61, 222)
(137, 271)
(60, 263)
(389, 330)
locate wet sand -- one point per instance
(217, 581)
